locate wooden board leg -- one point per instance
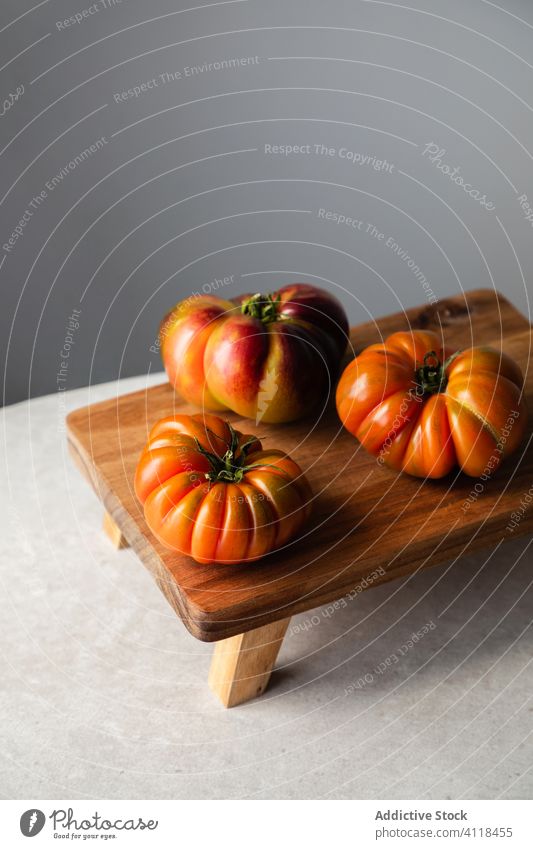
(112, 530)
(241, 665)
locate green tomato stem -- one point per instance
(263, 307)
(231, 467)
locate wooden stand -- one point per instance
(369, 525)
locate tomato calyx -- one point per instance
(229, 468)
(432, 377)
(263, 307)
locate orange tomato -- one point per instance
(423, 410)
(213, 493)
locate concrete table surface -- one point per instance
(104, 691)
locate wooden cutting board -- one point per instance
(367, 521)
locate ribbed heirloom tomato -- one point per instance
(422, 409)
(212, 493)
(267, 357)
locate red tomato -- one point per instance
(267, 357)
(423, 411)
(213, 493)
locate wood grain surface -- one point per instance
(369, 525)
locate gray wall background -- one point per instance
(182, 193)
